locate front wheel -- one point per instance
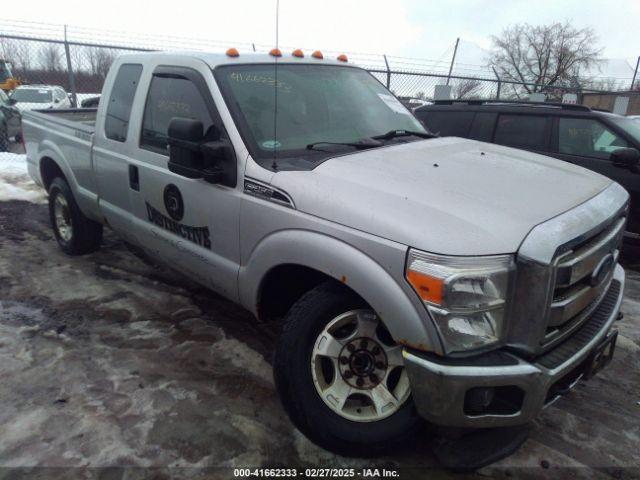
(340, 375)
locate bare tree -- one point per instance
(50, 57)
(22, 58)
(466, 88)
(78, 56)
(543, 56)
(609, 84)
(16, 52)
(100, 60)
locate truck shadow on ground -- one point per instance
(109, 359)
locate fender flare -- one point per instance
(341, 261)
(87, 201)
(48, 149)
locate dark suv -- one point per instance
(597, 140)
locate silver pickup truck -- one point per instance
(444, 279)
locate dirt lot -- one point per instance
(108, 361)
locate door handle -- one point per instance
(134, 178)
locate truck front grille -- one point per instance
(586, 331)
(583, 274)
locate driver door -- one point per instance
(188, 223)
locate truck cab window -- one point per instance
(522, 131)
(171, 97)
(587, 137)
(119, 109)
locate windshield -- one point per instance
(630, 126)
(31, 95)
(316, 103)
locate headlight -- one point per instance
(466, 296)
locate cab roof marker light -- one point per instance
(275, 52)
(298, 53)
(233, 52)
(317, 54)
(342, 58)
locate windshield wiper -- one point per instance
(403, 133)
(359, 145)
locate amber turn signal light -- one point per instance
(317, 54)
(233, 52)
(342, 58)
(430, 289)
(275, 52)
(297, 53)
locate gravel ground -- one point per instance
(108, 361)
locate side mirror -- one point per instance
(193, 155)
(625, 158)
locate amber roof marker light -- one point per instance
(233, 52)
(342, 58)
(317, 54)
(275, 52)
(298, 53)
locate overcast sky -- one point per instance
(412, 28)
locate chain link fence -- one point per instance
(69, 71)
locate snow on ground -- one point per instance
(15, 182)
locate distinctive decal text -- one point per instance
(198, 235)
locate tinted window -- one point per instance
(482, 127)
(587, 137)
(120, 100)
(522, 131)
(168, 98)
(447, 124)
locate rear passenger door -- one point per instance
(188, 223)
(527, 132)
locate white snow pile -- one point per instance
(15, 182)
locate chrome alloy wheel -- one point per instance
(62, 217)
(357, 368)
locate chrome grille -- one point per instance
(579, 287)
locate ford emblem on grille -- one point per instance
(602, 270)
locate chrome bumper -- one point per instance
(439, 388)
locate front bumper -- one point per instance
(440, 386)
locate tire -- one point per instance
(75, 233)
(297, 378)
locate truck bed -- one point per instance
(66, 136)
(83, 119)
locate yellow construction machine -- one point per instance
(7, 81)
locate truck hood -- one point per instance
(447, 195)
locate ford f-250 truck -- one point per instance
(465, 283)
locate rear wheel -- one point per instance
(76, 234)
(341, 376)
